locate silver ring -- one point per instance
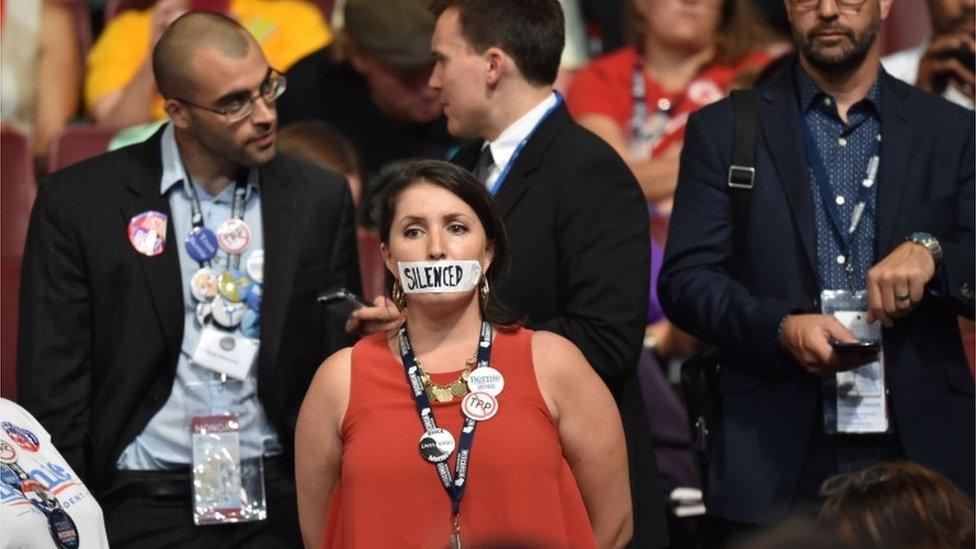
(905, 297)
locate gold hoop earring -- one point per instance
(484, 292)
(398, 298)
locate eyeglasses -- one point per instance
(238, 108)
(848, 5)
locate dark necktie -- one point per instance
(485, 163)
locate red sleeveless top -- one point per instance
(520, 489)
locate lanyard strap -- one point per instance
(639, 94)
(50, 507)
(454, 486)
(237, 210)
(845, 236)
(518, 149)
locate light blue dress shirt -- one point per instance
(165, 443)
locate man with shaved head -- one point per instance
(168, 322)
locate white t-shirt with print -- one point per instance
(23, 525)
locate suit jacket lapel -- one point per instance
(781, 127)
(280, 258)
(895, 155)
(518, 181)
(162, 272)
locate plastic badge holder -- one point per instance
(226, 488)
(855, 401)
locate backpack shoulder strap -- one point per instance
(742, 171)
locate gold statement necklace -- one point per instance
(447, 392)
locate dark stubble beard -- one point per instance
(851, 55)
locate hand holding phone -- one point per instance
(342, 302)
(856, 347)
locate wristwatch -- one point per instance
(931, 244)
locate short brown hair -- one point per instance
(530, 31)
(899, 505)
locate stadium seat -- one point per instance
(17, 188)
(78, 142)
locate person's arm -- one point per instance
(54, 342)
(132, 104)
(657, 177)
(695, 289)
(591, 435)
(910, 268)
(603, 247)
(59, 74)
(318, 444)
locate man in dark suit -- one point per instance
(823, 216)
(125, 293)
(575, 217)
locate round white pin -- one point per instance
(227, 313)
(479, 406)
(203, 285)
(255, 266)
(233, 235)
(437, 445)
(486, 380)
(203, 313)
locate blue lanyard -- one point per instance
(846, 235)
(453, 485)
(63, 530)
(518, 149)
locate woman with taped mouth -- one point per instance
(459, 427)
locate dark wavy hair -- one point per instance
(400, 176)
(897, 505)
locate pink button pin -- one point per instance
(147, 233)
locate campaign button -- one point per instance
(63, 529)
(203, 285)
(7, 453)
(147, 233)
(234, 236)
(255, 266)
(253, 297)
(233, 285)
(486, 380)
(21, 437)
(201, 244)
(479, 406)
(437, 445)
(227, 313)
(203, 313)
(251, 324)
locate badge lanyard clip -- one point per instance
(453, 485)
(821, 179)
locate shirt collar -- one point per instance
(809, 92)
(173, 172)
(504, 147)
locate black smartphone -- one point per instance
(857, 347)
(342, 302)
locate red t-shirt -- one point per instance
(605, 86)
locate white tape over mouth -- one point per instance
(435, 277)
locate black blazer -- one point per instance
(769, 402)
(101, 325)
(578, 233)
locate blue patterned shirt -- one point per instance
(846, 150)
